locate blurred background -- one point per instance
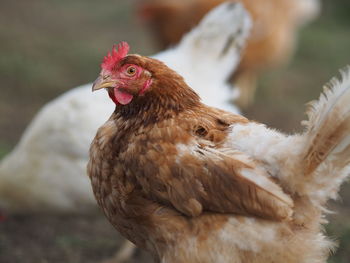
(49, 47)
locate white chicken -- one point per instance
(46, 171)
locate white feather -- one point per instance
(312, 164)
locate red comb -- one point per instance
(116, 55)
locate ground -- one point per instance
(48, 47)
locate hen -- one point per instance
(271, 43)
(192, 183)
(46, 172)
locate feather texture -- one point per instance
(328, 127)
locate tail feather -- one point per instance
(328, 127)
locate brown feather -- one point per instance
(157, 166)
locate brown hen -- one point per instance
(191, 183)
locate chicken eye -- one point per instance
(131, 71)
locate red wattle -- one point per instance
(122, 97)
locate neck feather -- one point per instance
(167, 99)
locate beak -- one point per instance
(101, 83)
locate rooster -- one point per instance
(270, 45)
(193, 183)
